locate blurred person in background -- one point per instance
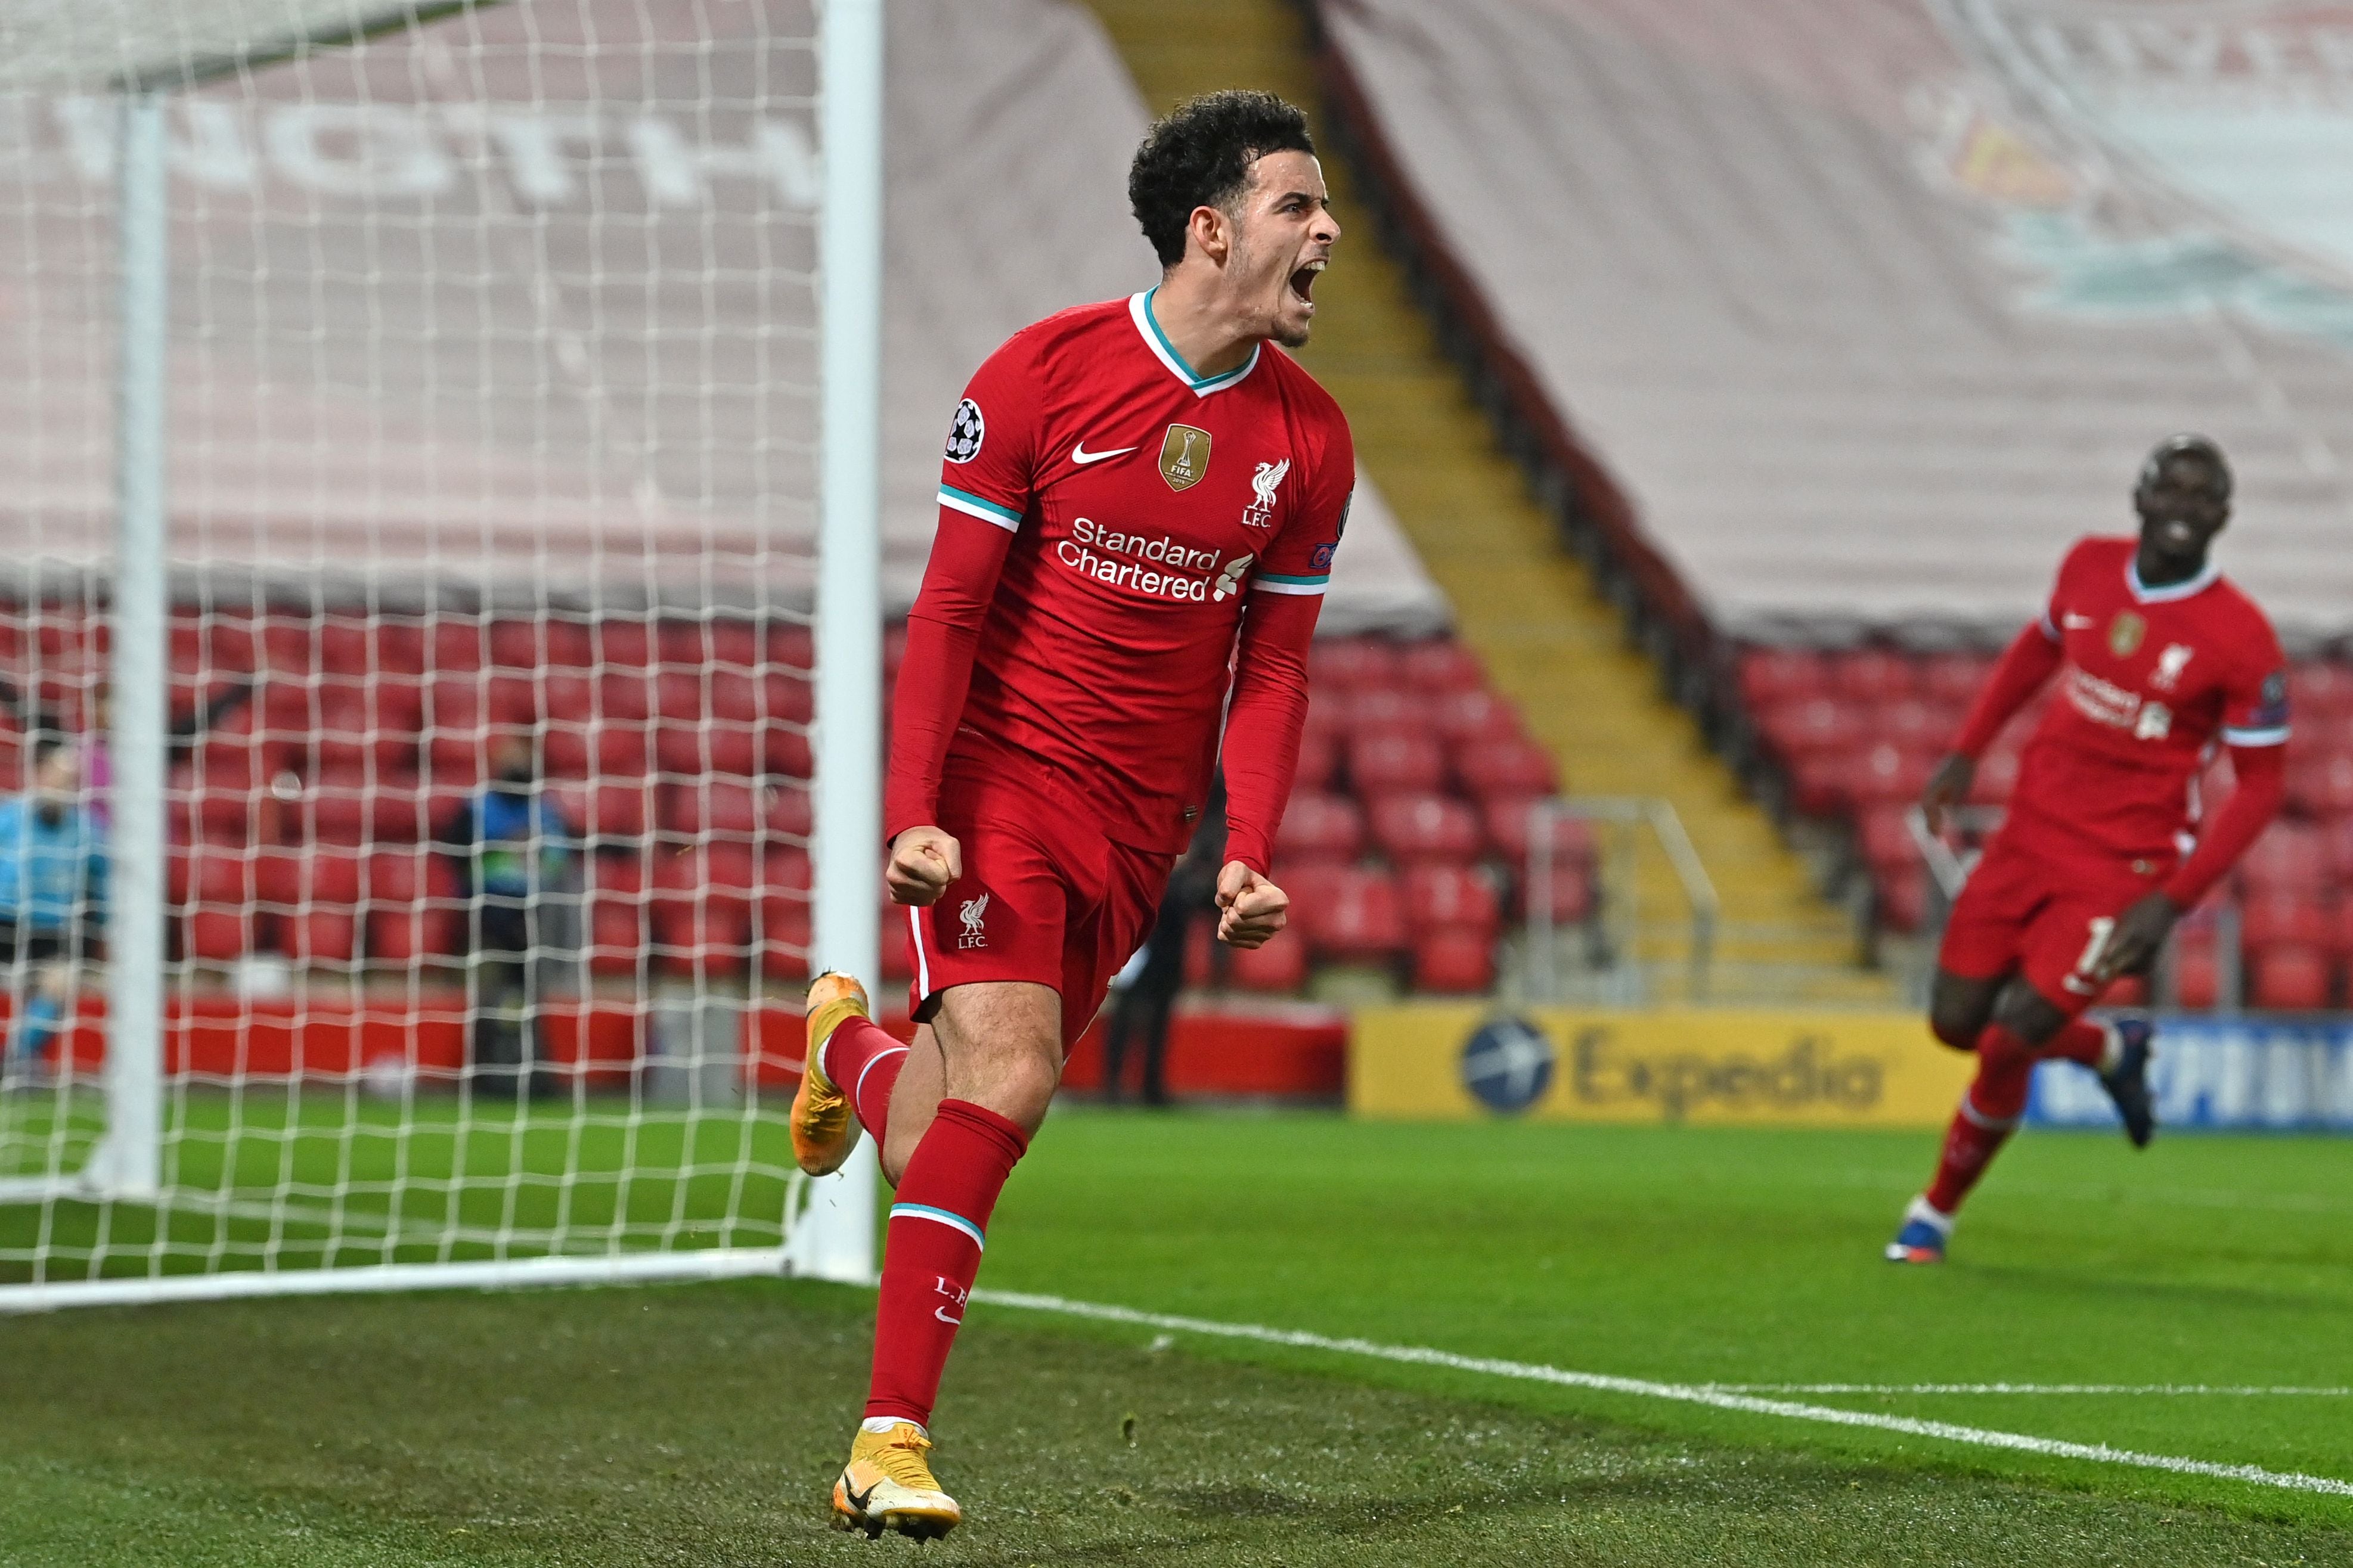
(96, 739)
(52, 896)
(1145, 991)
(516, 857)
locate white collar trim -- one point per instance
(2206, 578)
(1139, 310)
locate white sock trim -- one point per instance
(1979, 1119)
(1929, 1214)
(877, 1425)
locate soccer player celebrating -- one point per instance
(2158, 657)
(1138, 511)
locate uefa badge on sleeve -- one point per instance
(965, 432)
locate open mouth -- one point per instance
(1302, 282)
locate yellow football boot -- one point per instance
(888, 1485)
(824, 1130)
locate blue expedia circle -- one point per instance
(1507, 1063)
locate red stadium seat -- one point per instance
(1392, 764)
(1318, 827)
(1874, 675)
(1954, 678)
(719, 808)
(1343, 664)
(1279, 968)
(2280, 917)
(1475, 715)
(1360, 917)
(2291, 857)
(1440, 897)
(1887, 772)
(1319, 761)
(2320, 692)
(1513, 769)
(410, 898)
(1772, 676)
(615, 891)
(2321, 786)
(1902, 894)
(2290, 978)
(1885, 833)
(2197, 970)
(216, 884)
(1507, 822)
(1440, 666)
(1573, 892)
(787, 698)
(1823, 783)
(1453, 964)
(1375, 710)
(693, 750)
(1424, 826)
(701, 909)
(1918, 723)
(1814, 726)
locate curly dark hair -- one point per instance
(1199, 155)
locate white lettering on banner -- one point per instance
(675, 171)
(358, 149)
(363, 149)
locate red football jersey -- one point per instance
(2152, 680)
(1140, 509)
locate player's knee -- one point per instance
(1956, 1024)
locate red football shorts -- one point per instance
(2024, 910)
(1051, 901)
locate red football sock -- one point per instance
(863, 1062)
(1988, 1113)
(932, 1253)
(2079, 1040)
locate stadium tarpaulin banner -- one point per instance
(2251, 1075)
(1728, 1068)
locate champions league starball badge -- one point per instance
(965, 432)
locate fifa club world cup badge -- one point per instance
(972, 913)
(2125, 633)
(1185, 457)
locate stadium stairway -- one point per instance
(1550, 642)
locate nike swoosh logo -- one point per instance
(1080, 455)
(942, 1314)
(859, 1501)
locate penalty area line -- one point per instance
(1717, 1397)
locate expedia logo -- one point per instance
(1808, 1075)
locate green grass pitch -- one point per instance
(701, 1423)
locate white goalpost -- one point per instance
(451, 559)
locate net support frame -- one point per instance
(835, 1237)
(127, 1165)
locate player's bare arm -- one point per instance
(1947, 787)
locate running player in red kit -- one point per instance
(1138, 512)
(2159, 659)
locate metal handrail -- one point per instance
(1660, 815)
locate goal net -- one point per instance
(409, 616)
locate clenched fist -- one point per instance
(1250, 909)
(924, 861)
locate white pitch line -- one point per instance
(1684, 1392)
(2172, 1390)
